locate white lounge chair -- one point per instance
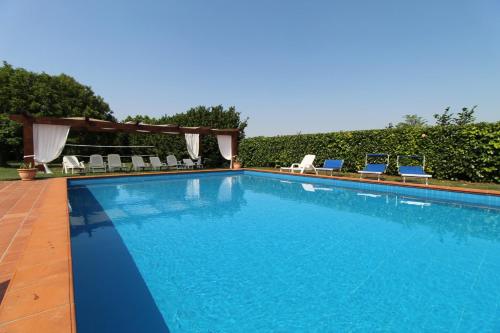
(96, 163)
(138, 163)
(305, 165)
(172, 163)
(156, 163)
(188, 163)
(115, 163)
(72, 163)
(199, 163)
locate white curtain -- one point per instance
(225, 148)
(48, 142)
(193, 144)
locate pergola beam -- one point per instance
(104, 126)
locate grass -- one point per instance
(10, 173)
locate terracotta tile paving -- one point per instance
(35, 261)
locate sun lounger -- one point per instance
(374, 168)
(96, 163)
(156, 163)
(172, 163)
(331, 165)
(188, 163)
(115, 163)
(138, 163)
(72, 163)
(199, 163)
(415, 171)
(305, 165)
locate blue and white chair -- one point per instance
(331, 165)
(415, 171)
(375, 168)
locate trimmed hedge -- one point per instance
(469, 152)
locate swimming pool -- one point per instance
(256, 252)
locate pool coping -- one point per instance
(45, 267)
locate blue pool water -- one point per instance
(253, 252)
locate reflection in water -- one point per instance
(459, 220)
(206, 197)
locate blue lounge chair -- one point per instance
(374, 168)
(416, 171)
(331, 165)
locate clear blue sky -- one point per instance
(308, 66)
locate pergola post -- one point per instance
(29, 149)
(234, 146)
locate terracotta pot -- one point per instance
(236, 165)
(27, 174)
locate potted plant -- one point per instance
(27, 171)
(236, 162)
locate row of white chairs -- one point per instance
(114, 163)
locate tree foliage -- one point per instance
(215, 117)
(469, 152)
(41, 94)
(411, 120)
(465, 117)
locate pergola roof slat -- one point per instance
(96, 125)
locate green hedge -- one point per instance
(470, 152)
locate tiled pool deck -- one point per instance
(36, 288)
(35, 262)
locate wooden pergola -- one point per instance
(104, 126)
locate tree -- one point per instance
(463, 118)
(466, 116)
(445, 118)
(41, 94)
(412, 120)
(215, 117)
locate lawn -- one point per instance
(10, 173)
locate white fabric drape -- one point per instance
(48, 142)
(193, 144)
(225, 148)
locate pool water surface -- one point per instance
(251, 252)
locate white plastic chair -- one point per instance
(138, 163)
(188, 163)
(173, 163)
(115, 163)
(198, 163)
(305, 165)
(156, 164)
(96, 163)
(72, 163)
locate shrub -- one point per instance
(469, 152)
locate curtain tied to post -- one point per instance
(48, 143)
(225, 147)
(193, 144)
